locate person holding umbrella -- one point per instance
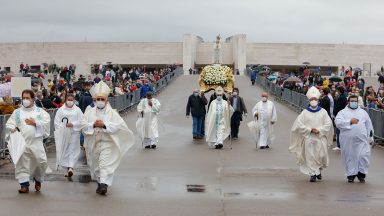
(67, 134)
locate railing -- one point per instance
(299, 102)
(120, 103)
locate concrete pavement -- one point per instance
(186, 177)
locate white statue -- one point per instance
(217, 51)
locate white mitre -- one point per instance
(219, 90)
(313, 92)
(100, 90)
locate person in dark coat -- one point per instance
(325, 102)
(239, 109)
(253, 77)
(196, 106)
(46, 101)
(86, 98)
(340, 103)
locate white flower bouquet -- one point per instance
(216, 75)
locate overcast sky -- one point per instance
(294, 21)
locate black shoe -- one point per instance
(153, 146)
(319, 177)
(216, 146)
(148, 147)
(235, 138)
(312, 179)
(103, 189)
(361, 177)
(98, 188)
(219, 146)
(262, 147)
(267, 146)
(351, 179)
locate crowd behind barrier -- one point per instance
(299, 102)
(120, 103)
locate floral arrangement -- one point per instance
(216, 75)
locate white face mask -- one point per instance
(26, 103)
(234, 93)
(264, 99)
(219, 98)
(69, 103)
(100, 104)
(314, 103)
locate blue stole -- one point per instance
(313, 110)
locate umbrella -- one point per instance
(293, 79)
(306, 63)
(335, 79)
(77, 84)
(254, 128)
(357, 69)
(272, 77)
(62, 138)
(266, 68)
(263, 72)
(34, 71)
(16, 146)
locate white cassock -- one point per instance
(33, 161)
(311, 150)
(266, 114)
(105, 147)
(151, 123)
(354, 140)
(218, 122)
(74, 116)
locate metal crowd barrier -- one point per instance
(300, 102)
(120, 103)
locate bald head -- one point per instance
(264, 94)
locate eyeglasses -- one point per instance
(100, 99)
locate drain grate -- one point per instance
(196, 188)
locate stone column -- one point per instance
(190, 44)
(239, 46)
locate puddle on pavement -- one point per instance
(196, 188)
(271, 195)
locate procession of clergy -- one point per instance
(107, 137)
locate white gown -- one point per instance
(75, 117)
(354, 140)
(311, 150)
(266, 114)
(33, 161)
(105, 147)
(218, 122)
(151, 123)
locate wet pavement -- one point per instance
(186, 177)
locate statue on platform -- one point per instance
(217, 51)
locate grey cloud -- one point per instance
(301, 21)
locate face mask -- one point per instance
(219, 98)
(69, 103)
(100, 104)
(196, 94)
(337, 94)
(353, 105)
(313, 103)
(26, 103)
(234, 93)
(264, 99)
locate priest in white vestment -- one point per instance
(33, 123)
(266, 116)
(356, 135)
(311, 135)
(218, 120)
(149, 109)
(107, 138)
(69, 116)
